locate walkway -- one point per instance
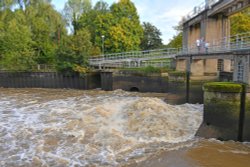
(240, 42)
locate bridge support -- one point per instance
(204, 69)
(210, 66)
(181, 65)
(197, 67)
(212, 24)
(107, 81)
(227, 65)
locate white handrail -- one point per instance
(125, 59)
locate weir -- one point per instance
(226, 58)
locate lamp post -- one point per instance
(103, 44)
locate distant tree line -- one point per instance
(32, 32)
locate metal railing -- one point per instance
(134, 59)
(128, 57)
(226, 44)
(199, 8)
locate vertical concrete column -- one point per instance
(225, 26)
(194, 34)
(222, 104)
(217, 28)
(203, 26)
(197, 67)
(211, 66)
(227, 65)
(185, 36)
(181, 65)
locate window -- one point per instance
(220, 65)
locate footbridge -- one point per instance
(218, 49)
(221, 48)
(134, 59)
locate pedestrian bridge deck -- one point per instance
(222, 48)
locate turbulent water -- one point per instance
(42, 127)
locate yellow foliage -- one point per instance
(80, 69)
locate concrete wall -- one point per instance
(204, 69)
(210, 66)
(144, 83)
(227, 65)
(48, 80)
(107, 81)
(194, 34)
(216, 28)
(197, 67)
(211, 28)
(222, 115)
(181, 65)
(246, 134)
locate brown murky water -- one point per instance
(48, 127)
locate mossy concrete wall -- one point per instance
(246, 134)
(221, 115)
(222, 103)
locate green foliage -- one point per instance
(240, 22)
(45, 27)
(74, 52)
(32, 32)
(119, 25)
(176, 41)
(222, 87)
(151, 37)
(16, 43)
(73, 10)
(29, 35)
(126, 33)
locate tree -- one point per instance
(35, 36)
(240, 22)
(98, 21)
(16, 44)
(47, 29)
(101, 7)
(74, 52)
(126, 32)
(151, 37)
(73, 9)
(176, 41)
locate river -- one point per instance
(57, 127)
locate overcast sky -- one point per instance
(164, 14)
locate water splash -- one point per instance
(63, 128)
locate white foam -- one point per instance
(90, 129)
